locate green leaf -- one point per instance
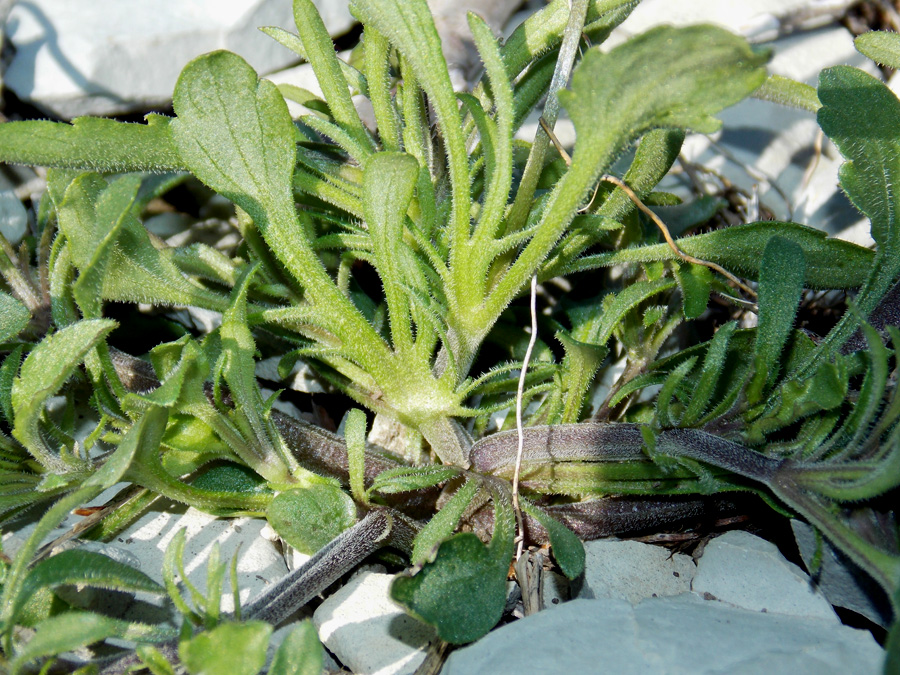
(567, 547)
(92, 144)
(234, 648)
(389, 181)
(409, 25)
(262, 448)
(154, 661)
(355, 436)
(300, 653)
(602, 324)
(325, 63)
(86, 568)
(354, 78)
(309, 518)
(14, 316)
(713, 365)
(64, 633)
(695, 282)
(113, 252)
(862, 117)
(8, 372)
(148, 430)
(463, 591)
(781, 274)
(499, 178)
(443, 523)
(43, 372)
(580, 366)
(410, 478)
(830, 263)
(235, 133)
(882, 46)
(786, 91)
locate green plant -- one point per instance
(456, 218)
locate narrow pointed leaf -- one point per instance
(781, 274)
(831, 263)
(442, 524)
(86, 568)
(567, 547)
(410, 478)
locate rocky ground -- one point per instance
(736, 604)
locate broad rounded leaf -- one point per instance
(233, 648)
(667, 77)
(309, 518)
(300, 653)
(462, 593)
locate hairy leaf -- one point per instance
(14, 316)
(862, 116)
(113, 252)
(309, 518)
(300, 653)
(463, 591)
(567, 547)
(410, 478)
(238, 648)
(92, 144)
(881, 46)
(781, 274)
(831, 263)
(442, 524)
(43, 372)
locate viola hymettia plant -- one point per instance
(396, 258)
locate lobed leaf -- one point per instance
(463, 591)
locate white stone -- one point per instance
(759, 20)
(13, 217)
(106, 56)
(555, 590)
(746, 571)
(632, 571)
(680, 635)
(259, 562)
(301, 378)
(367, 632)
